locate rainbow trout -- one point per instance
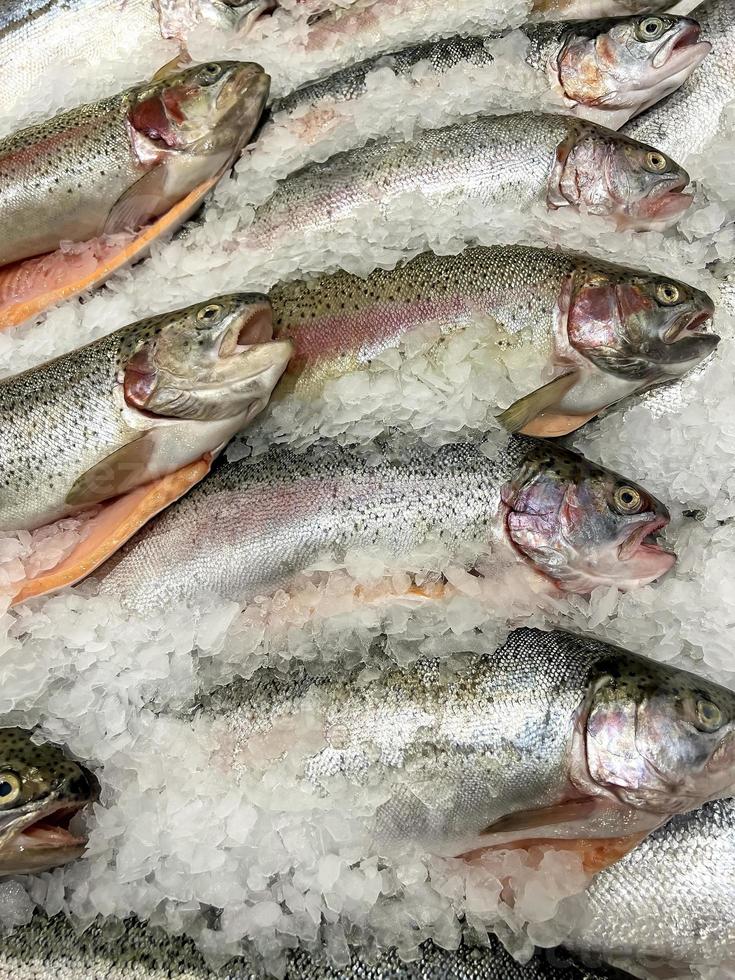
(519, 160)
(601, 331)
(104, 171)
(603, 71)
(534, 507)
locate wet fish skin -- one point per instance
(269, 520)
(38, 782)
(104, 952)
(112, 166)
(38, 36)
(550, 737)
(685, 870)
(603, 70)
(691, 117)
(559, 307)
(521, 159)
(142, 401)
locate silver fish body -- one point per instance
(550, 737)
(519, 160)
(252, 527)
(670, 904)
(112, 166)
(39, 37)
(602, 331)
(691, 117)
(135, 405)
(603, 71)
(33, 952)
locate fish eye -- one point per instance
(628, 500)
(656, 162)
(667, 293)
(211, 72)
(709, 715)
(10, 788)
(650, 29)
(209, 314)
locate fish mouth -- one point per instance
(43, 839)
(254, 325)
(683, 49)
(642, 542)
(692, 325)
(249, 79)
(669, 203)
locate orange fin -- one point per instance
(113, 526)
(29, 287)
(555, 424)
(597, 853)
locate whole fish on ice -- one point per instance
(41, 39)
(668, 908)
(560, 522)
(369, 28)
(103, 172)
(603, 71)
(137, 415)
(601, 331)
(41, 789)
(690, 119)
(551, 738)
(517, 161)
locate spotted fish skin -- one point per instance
(34, 952)
(519, 160)
(251, 527)
(113, 166)
(59, 179)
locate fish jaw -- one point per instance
(603, 87)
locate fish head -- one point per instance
(658, 737)
(615, 69)
(641, 328)
(581, 525)
(208, 111)
(213, 360)
(605, 173)
(41, 789)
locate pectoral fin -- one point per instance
(28, 288)
(115, 474)
(173, 67)
(113, 526)
(540, 408)
(138, 204)
(596, 853)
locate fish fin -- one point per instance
(28, 288)
(555, 424)
(537, 404)
(596, 853)
(113, 475)
(572, 811)
(137, 205)
(113, 526)
(182, 60)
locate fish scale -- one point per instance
(252, 526)
(70, 170)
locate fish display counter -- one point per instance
(367, 494)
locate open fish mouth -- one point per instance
(643, 542)
(253, 326)
(670, 202)
(51, 830)
(692, 325)
(683, 50)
